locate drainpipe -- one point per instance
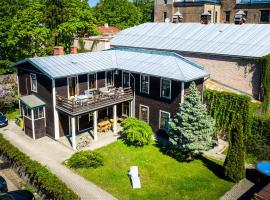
(133, 101)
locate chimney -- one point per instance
(73, 49)
(205, 18)
(58, 51)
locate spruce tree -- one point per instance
(235, 160)
(192, 129)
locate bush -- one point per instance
(85, 159)
(136, 132)
(39, 176)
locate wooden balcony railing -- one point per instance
(93, 101)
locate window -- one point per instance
(27, 112)
(227, 16)
(164, 16)
(144, 113)
(165, 88)
(126, 79)
(165, 2)
(125, 107)
(92, 81)
(38, 113)
(164, 118)
(33, 82)
(145, 84)
(72, 86)
(109, 78)
(264, 16)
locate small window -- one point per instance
(92, 81)
(72, 86)
(109, 78)
(144, 113)
(38, 113)
(27, 112)
(164, 118)
(264, 16)
(33, 82)
(165, 88)
(164, 16)
(165, 2)
(145, 84)
(126, 79)
(227, 16)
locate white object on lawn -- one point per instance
(134, 177)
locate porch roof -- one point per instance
(151, 62)
(32, 101)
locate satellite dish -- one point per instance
(167, 20)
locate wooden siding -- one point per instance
(28, 127)
(100, 79)
(61, 87)
(40, 130)
(83, 83)
(63, 124)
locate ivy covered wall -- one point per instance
(265, 84)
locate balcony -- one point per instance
(180, 2)
(93, 100)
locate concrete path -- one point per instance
(216, 152)
(51, 153)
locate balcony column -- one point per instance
(95, 125)
(73, 128)
(114, 119)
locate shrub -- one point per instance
(136, 132)
(39, 176)
(85, 159)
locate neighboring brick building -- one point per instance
(222, 11)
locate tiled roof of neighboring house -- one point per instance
(247, 40)
(155, 63)
(108, 29)
(32, 101)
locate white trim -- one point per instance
(95, 116)
(76, 86)
(141, 84)
(161, 88)
(141, 105)
(88, 81)
(55, 114)
(44, 113)
(106, 84)
(123, 78)
(18, 91)
(78, 125)
(33, 124)
(159, 119)
(73, 128)
(31, 83)
(182, 92)
(129, 108)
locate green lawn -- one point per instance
(162, 177)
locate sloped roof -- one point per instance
(156, 63)
(32, 101)
(247, 40)
(109, 29)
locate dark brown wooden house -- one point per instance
(68, 94)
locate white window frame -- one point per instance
(141, 84)
(141, 105)
(161, 96)
(129, 109)
(162, 111)
(76, 87)
(106, 78)
(41, 107)
(123, 78)
(88, 81)
(31, 82)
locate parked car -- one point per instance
(3, 185)
(3, 120)
(17, 195)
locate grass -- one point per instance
(162, 177)
(30, 188)
(12, 114)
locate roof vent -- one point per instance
(205, 18)
(177, 17)
(240, 17)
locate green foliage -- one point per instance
(85, 159)
(38, 175)
(265, 81)
(136, 132)
(147, 9)
(120, 13)
(235, 160)
(192, 129)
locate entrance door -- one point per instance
(126, 109)
(72, 86)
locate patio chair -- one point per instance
(134, 177)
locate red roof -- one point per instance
(109, 29)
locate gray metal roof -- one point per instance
(32, 101)
(156, 63)
(247, 40)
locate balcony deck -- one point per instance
(84, 104)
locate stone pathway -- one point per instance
(51, 153)
(13, 181)
(216, 152)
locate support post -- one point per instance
(182, 92)
(95, 125)
(73, 128)
(55, 113)
(114, 119)
(33, 124)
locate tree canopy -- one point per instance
(120, 13)
(147, 9)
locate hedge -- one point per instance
(37, 175)
(265, 83)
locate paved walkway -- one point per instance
(51, 153)
(216, 152)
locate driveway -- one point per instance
(51, 153)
